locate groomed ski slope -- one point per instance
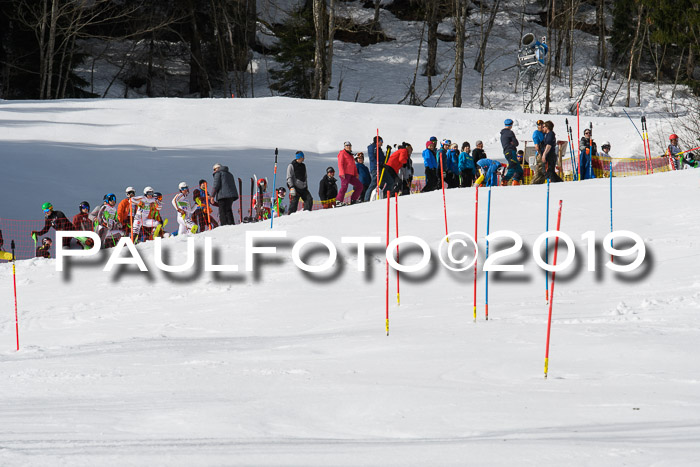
(287, 368)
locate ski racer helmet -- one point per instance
(158, 196)
(130, 189)
(46, 207)
(446, 142)
(672, 137)
(281, 192)
(84, 205)
(330, 170)
(262, 182)
(110, 197)
(183, 186)
(605, 145)
(148, 191)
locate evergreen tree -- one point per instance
(295, 54)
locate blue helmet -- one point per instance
(110, 197)
(508, 122)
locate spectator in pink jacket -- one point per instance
(348, 175)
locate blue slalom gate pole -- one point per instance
(488, 226)
(611, 208)
(546, 251)
(274, 192)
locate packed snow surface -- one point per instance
(283, 367)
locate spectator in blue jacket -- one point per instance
(489, 169)
(431, 166)
(537, 138)
(363, 174)
(372, 155)
(466, 166)
(452, 168)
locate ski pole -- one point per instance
(651, 167)
(14, 284)
(476, 247)
(578, 137)
(386, 298)
(274, 190)
(551, 296)
(546, 250)
(396, 204)
(444, 203)
(635, 126)
(488, 226)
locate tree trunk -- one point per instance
(600, 21)
(50, 49)
(432, 22)
(319, 48)
(632, 50)
(328, 72)
(479, 64)
(199, 81)
(550, 19)
(460, 27)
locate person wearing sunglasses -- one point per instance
(588, 149)
(55, 219)
(81, 221)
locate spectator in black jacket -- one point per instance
(225, 193)
(297, 184)
(478, 152)
(328, 189)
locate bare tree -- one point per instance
(460, 22)
(479, 63)
(632, 52)
(324, 26)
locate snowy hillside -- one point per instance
(282, 367)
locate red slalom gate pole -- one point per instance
(388, 215)
(476, 247)
(14, 283)
(398, 294)
(206, 198)
(551, 295)
(444, 203)
(377, 166)
(578, 136)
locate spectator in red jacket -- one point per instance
(348, 175)
(397, 159)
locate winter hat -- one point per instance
(347, 143)
(299, 155)
(508, 122)
(216, 166)
(478, 142)
(428, 143)
(330, 169)
(433, 139)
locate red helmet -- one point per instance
(673, 136)
(262, 182)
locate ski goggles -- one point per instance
(84, 206)
(47, 210)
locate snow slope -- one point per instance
(281, 367)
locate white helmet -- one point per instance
(148, 190)
(130, 189)
(606, 144)
(182, 186)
